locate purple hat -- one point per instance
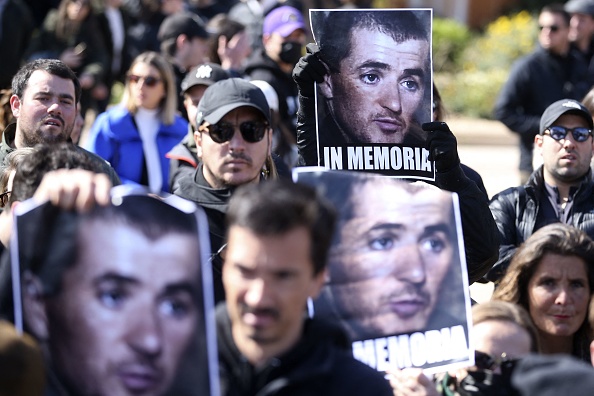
(284, 21)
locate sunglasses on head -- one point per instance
(251, 131)
(580, 134)
(552, 28)
(484, 361)
(149, 81)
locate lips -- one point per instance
(389, 125)
(408, 306)
(52, 121)
(140, 377)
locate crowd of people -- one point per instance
(218, 105)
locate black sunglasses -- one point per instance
(149, 81)
(580, 134)
(484, 361)
(552, 28)
(251, 131)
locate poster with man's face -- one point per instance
(119, 298)
(377, 91)
(396, 279)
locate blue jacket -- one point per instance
(115, 137)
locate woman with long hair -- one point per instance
(135, 136)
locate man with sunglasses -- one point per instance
(561, 190)
(552, 72)
(233, 143)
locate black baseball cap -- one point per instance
(229, 94)
(564, 106)
(182, 23)
(204, 74)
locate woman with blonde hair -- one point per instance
(551, 276)
(135, 136)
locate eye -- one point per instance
(176, 307)
(370, 78)
(381, 243)
(547, 282)
(112, 298)
(410, 85)
(433, 244)
(577, 284)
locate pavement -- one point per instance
(492, 150)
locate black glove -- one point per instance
(308, 70)
(442, 146)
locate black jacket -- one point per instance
(479, 229)
(214, 201)
(516, 211)
(535, 81)
(320, 364)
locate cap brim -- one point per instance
(219, 113)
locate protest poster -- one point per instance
(120, 297)
(397, 279)
(377, 91)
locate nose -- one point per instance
(409, 265)
(569, 142)
(257, 293)
(237, 143)
(563, 297)
(55, 108)
(145, 335)
(391, 99)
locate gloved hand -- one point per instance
(308, 70)
(442, 146)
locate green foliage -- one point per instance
(472, 85)
(470, 93)
(449, 40)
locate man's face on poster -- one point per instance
(125, 312)
(379, 87)
(387, 270)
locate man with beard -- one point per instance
(45, 96)
(561, 190)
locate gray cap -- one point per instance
(204, 74)
(564, 106)
(226, 95)
(580, 7)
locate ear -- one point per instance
(198, 141)
(15, 106)
(180, 41)
(317, 283)
(325, 87)
(538, 141)
(34, 310)
(592, 352)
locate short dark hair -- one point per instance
(57, 240)
(43, 159)
(336, 25)
(279, 206)
(557, 8)
(52, 66)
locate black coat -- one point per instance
(516, 211)
(321, 363)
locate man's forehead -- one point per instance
(43, 81)
(244, 112)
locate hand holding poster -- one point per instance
(377, 92)
(120, 297)
(397, 279)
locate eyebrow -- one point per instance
(435, 228)
(181, 287)
(117, 278)
(51, 93)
